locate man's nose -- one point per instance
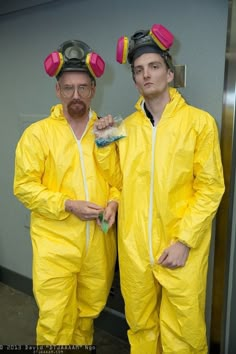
(146, 72)
(76, 93)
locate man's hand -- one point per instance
(104, 122)
(110, 212)
(109, 215)
(174, 256)
(83, 210)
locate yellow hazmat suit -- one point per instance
(73, 260)
(172, 186)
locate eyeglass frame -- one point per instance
(78, 88)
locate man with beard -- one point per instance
(172, 186)
(56, 178)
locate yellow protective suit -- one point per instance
(73, 260)
(172, 186)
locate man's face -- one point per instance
(151, 75)
(75, 91)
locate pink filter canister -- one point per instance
(96, 64)
(52, 63)
(122, 49)
(162, 35)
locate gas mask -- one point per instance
(74, 55)
(157, 40)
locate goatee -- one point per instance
(76, 108)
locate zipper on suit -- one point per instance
(150, 216)
(85, 188)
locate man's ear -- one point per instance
(171, 75)
(58, 90)
(93, 91)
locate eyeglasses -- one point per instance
(68, 91)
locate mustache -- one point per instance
(75, 100)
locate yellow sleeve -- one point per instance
(107, 159)
(114, 195)
(31, 153)
(208, 186)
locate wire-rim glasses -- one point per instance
(68, 91)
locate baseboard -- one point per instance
(16, 281)
(107, 317)
(113, 322)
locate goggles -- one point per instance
(158, 38)
(74, 55)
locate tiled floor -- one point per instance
(18, 316)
